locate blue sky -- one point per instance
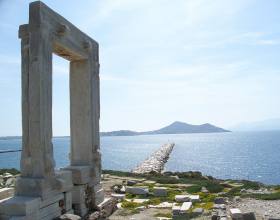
(196, 61)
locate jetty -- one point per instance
(156, 162)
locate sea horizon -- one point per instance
(230, 155)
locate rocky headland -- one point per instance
(178, 195)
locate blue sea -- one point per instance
(236, 155)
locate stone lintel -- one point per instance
(69, 41)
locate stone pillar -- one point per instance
(37, 163)
(42, 192)
(80, 113)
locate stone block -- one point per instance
(68, 201)
(187, 198)
(194, 198)
(176, 209)
(160, 191)
(69, 217)
(80, 174)
(219, 206)
(99, 196)
(51, 200)
(214, 215)
(6, 193)
(219, 200)
(78, 194)
(138, 200)
(137, 190)
(249, 216)
(222, 213)
(71, 211)
(118, 196)
(107, 206)
(182, 198)
(96, 187)
(34, 187)
(10, 182)
(163, 205)
(29, 217)
(198, 211)
(186, 206)
(64, 178)
(50, 211)
(236, 214)
(20, 205)
(80, 209)
(52, 216)
(4, 217)
(131, 182)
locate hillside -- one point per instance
(174, 128)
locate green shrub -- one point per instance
(130, 196)
(233, 192)
(193, 189)
(207, 198)
(189, 174)
(205, 205)
(272, 196)
(164, 179)
(214, 187)
(251, 185)
(171, 195)
(153, 201)
(130, 205)
(166, 215)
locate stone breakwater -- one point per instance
(156, 161)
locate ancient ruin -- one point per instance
(43, 192)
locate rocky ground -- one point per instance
(156, 196)
(262, 208)
(216, 196)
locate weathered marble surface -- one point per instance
(41, 192)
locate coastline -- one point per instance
(211, 154)
(248, 196)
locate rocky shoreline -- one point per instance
(156, 162)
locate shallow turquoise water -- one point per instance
(239, 155)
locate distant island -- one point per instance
(272, 124)
(176, 127)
